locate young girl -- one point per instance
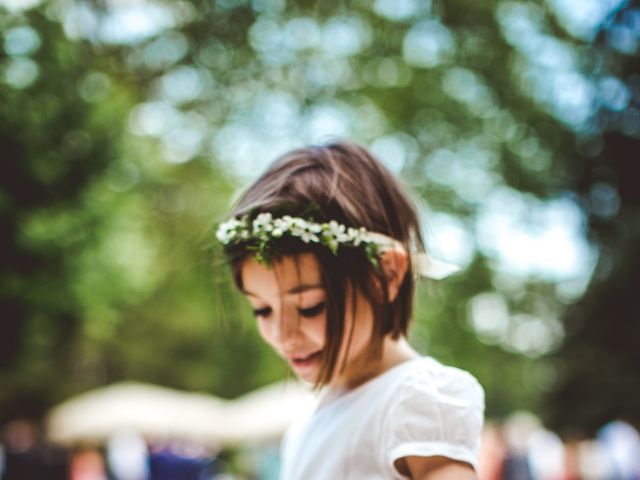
(326, 246)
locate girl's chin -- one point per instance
(309, 377)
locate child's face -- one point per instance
(290, 306)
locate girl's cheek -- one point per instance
(317, 330)
(265, 333)
(270, 335)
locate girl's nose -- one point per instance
(286, 331)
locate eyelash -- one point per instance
(261, 312)
(304, 312)
(312, 311)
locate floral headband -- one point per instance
(257, 235)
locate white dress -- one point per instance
(417, 408)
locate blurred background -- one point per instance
(127, 128)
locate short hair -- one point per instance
(344, 182)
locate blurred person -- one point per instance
(594, 464)
(518, 427)
(128, 456)
(492, 452)
(571, 464)
(168, 465)
(621, 445)
(516, 467)
(2, 460)
(183, 460)
(28, 457)
(546, 454)
(21, 458)
(87, 464)
(326, 245)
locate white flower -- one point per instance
(335, 227)
(223, 235)
(308, 236)
(280, 225)
(360, 236)
(227, 231)
(264, 227)
(263, 222)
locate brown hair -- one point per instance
(339, 181)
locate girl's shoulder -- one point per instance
(435, 409)
(426, 377)
(415, 384)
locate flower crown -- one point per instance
(258, 233)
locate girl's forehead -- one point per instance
(288, 276)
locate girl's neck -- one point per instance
(394, 352)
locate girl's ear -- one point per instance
(394, 263)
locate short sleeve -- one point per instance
(437, 412)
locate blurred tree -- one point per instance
(426, 86)
(56, 137)
(126, 145)
(106, 268)
(600, 358)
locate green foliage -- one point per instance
(53, 146)
(598, 362)
(119, 157)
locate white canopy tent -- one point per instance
(265, 414)
(161, 413)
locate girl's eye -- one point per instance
(262, 312)
(312, 311)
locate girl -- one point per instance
(325, 246)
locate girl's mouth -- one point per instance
(307, 361)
